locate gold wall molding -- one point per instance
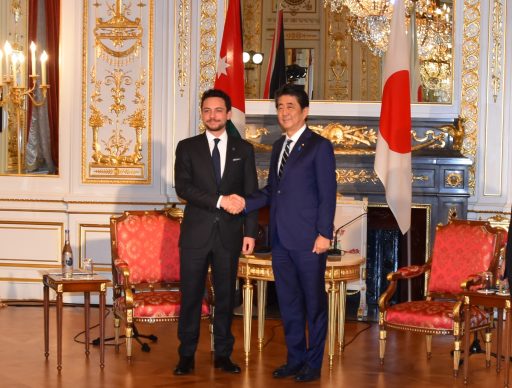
(183, 44)
(497, 48)
(117, 92)
(470, 83)
(208, 39)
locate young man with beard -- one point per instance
(208, 169)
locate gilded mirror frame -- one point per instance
(465, 101)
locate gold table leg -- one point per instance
(341, 319)
(331, 325)
(262, 302)
(248, 292)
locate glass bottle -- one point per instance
(67, 258)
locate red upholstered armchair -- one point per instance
(146, 271)
(462, 251)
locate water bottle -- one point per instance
(67, 258)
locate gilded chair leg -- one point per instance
(456, 356)
(129, 334)
(428, 340)
(212, 340)
(117, 324)
(382, 345)
(488, 342)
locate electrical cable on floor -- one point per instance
(94, 342)
(368, 326)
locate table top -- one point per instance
(259, 266)
(79, 282)
(489, 300)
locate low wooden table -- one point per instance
(502, 303)
(79, 283)
(339, 270)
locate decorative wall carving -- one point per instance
(117, 90)
(470, 82)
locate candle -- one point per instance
(21, 61)
(33, 58)
(14, 70)
(44, 58)
(8, 52)
(1, 68)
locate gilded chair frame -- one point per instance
(125, 288)
(474, 281)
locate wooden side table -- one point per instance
(79, 283)
(503, 304)
(339, 270)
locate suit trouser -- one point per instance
(193, 271)
(300, 286)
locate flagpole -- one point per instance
(409, 263)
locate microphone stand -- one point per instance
(335, 251)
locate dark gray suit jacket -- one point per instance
(195, 183)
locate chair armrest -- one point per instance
(408, 272)
(123, 271)
(472, 282)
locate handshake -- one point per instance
(233, 203)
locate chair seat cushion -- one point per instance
(430, 315)
(157, 304)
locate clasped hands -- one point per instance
(232, 203)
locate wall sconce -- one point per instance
(252, 58)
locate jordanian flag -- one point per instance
(230, 68)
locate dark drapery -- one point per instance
(52, 48)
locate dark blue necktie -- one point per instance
(216, 161)
(284, 158)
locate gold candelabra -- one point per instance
(14, 94)
(15, 99)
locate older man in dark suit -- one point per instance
(301, 192)
(208, 168)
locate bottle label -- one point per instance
(68, 259)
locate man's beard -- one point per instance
(215, 126)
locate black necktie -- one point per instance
(286, 153)
(216, 160)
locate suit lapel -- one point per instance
(230, 155)
(297, 150)
(207, 159)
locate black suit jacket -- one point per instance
(195, 183)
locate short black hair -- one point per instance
(293, 90)
(217, 93)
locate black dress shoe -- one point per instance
(307, 374)
(185, 366)
(286, 371)
(226, 365)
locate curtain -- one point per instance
(52, 43)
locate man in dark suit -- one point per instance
(301, 192)
(208, 167)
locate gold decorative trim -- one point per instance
(470, 83)
(497, 48)
(344, 176)
(208, 40)
(361, 140)
(183, 44)
(117, 165)
(454, 179)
